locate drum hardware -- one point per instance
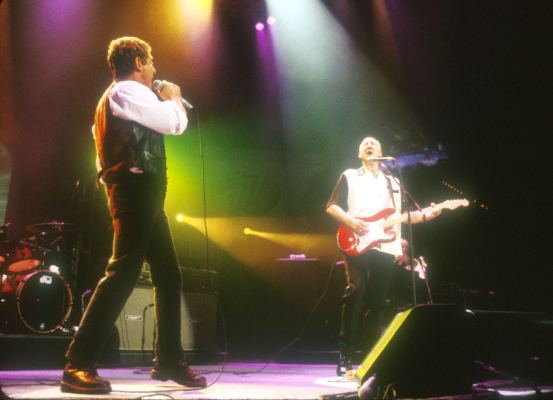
(50, 236)
(4, 231)
(52, 226)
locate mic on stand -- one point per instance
(157, 85)
(381, 159)
(385, 167)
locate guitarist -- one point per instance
(360, 193)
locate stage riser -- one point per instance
(32, 351)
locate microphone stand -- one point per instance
(406, 195)
(424, 267)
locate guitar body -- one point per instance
(381, 227)
(352, 244)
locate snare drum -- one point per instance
(39, 302)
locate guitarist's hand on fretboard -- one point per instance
(425, 214)
(432, 213)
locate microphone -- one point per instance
(380, 159)
(157, 85)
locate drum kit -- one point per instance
(34, 294)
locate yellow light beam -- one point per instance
(238, 239)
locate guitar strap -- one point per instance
(389, 182)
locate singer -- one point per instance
(129, 128)
(363, 193)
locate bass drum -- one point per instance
(42, 302)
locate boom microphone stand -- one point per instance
(406, 195)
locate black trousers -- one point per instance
(364, 299)
(141, 232)
(401, 289)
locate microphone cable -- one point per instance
(206, 254)
(204, 191)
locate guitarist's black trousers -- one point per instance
(364, 300)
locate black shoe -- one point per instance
(344, 365)
(180, 373)
(84, 381)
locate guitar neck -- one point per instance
(448, 204)
(401, 219)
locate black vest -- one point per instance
(122, 145)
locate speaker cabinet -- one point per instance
(135, 324)
(199, 322)
(423, 352)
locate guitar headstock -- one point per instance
(453, 204)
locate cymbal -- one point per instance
(56, 226)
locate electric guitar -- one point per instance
(380, 227)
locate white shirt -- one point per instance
(368, 195)
(133, 101)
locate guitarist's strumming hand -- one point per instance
(359, 226)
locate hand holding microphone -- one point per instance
(169, 91)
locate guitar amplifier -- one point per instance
(135, 324)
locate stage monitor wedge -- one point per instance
(423, 352)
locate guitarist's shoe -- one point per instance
(344, 365)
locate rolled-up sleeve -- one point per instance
(133, 101)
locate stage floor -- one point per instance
(240, 380)
(234, 381)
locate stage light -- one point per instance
(271, 20)
(181, 218)
(259, 26)
(247, 231)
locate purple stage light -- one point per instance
(271, 20)
(259, 26)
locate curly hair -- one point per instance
(122, 53)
